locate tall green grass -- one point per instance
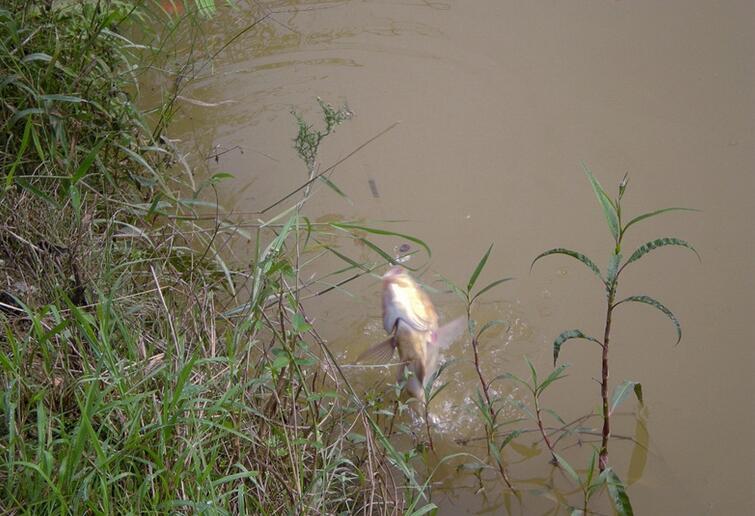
(140, 371)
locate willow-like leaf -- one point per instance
(555, 375)
(612, 270)
(609, 210)
(652, 214)
(510, 376)
(655, 244)
(567, 468)
(569, 334)
(489, 286)
(478, 269)
(574, 254)
(621, 392)
(618, 492)
(375, 231)
(510, 437)
(657, 304)
(336, 189)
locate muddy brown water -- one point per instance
(499, 103)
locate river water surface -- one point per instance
(499, 103)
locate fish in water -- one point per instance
(412, 322)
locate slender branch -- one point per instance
(603, 457)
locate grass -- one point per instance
(140, 371)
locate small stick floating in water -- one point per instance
(373, 188)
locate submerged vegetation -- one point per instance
(142, 370)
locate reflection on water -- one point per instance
(498, 103)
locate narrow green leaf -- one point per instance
(609, 210)
(85, 165)
(621, 392)
(555, 375)
(613, 269)
(567, 468)
(569, 334)
(510, 437)
(62, 98)
(568, 252)
(533, 371)
(478, 269)
(19, 156)
(426, 509)
(656, 304)
(510, 376)
(655, 244)
(36, 56)
(485, 327)
(653, 214)
(617, 492)
(336, 189)
(346, 226)
(489, 286)
(638, 393)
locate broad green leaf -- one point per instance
(621, 391)
(567, 468)
(568, 252)
(569, 334)
(656, 304)
(660, 242)
(489, 286)
(478, 269)
(609, 210)
(617, 492)
(653, 214)
(300, 325)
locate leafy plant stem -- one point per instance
(542, 428)
(603, 457)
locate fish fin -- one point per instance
(449, 332)
(379, 353)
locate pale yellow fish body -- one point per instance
(409, 315)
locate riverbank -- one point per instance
(135, 377)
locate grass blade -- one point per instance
(478, 269)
